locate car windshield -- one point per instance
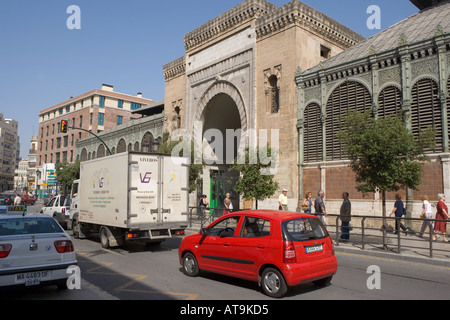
(303, 229)
(28, 225)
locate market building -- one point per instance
(404, 68)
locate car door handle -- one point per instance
(260, 246)
(226, 244)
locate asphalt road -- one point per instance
(138, 272)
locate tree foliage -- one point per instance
(384, 153)
(255, 181)
(67, 172)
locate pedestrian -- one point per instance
(319, 206)
(227, 204)
(426, 214)
(345, 215)
(17, 200)
(441, 214)
(399, 211)
(203, 205)
(307, 203)
(283, 201)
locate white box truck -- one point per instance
(131, 196)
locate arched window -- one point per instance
(101, 151)
(121, 146)
(426, 110)
(312, 141)
(274, 94)
(389, 101)
(349, 96)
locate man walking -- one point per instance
(319, 206)
(345, 215)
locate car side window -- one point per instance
(255, 228)
(50, 204)
(225, 227)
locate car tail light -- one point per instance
(289, 252)
(63, 211)
(64, 246)
(5, 249)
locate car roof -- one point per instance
(21, 215)
(273, 214)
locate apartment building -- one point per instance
(9, 152)
(94, 111)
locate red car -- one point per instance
(275, 248)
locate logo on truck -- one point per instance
(146, 178)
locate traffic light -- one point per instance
(64, 126)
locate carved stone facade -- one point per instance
(403, 74)
(238, 73)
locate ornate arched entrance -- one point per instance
(223, 120)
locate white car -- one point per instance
(34, 250)
(58, 208)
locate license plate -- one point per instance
(312, 249)
(33, 278)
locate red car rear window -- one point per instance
(303, 229)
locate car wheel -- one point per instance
(273, 283)
(190, 265)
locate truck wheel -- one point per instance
(104, 240)
(190, 265)
(75, 230)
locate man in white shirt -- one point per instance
(17, 200)
(283, 201)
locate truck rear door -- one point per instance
(175, 190)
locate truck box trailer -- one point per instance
(131, 196)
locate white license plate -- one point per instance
(33, 278)
(312, 249)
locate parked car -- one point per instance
(34, 250)
(277, 249)
(6, 199)
(27, 200)
(58, 208)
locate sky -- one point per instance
(120, 43)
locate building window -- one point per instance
(426, 110)
(349, 96)
(135, 106)
(101, 103)
(120, 104)
(119, 120)
(312, 149)
(274, 94)
(101, 118)
(325, 52)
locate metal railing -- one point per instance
(366, 231)
(377, 231)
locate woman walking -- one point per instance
(441, 214)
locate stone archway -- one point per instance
(223, 118)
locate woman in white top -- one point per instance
(426, 214)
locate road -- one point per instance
(138, 272)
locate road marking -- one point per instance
(137, 278)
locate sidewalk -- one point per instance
(412, 248)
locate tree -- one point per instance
(67, 173)
(255, 181)
(384, 154)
